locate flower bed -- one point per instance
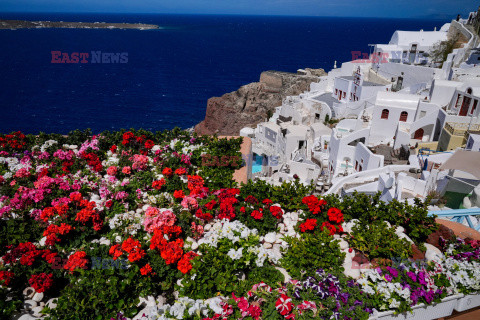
(134, 225)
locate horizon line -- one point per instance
(226, 14)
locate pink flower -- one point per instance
(152, 222)
(139, 162)
(197, 230)
(189, 203)
(121, 195)
(255, 312)
(307, 305)
(152, 212)
(111, 171)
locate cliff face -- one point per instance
(250, 104)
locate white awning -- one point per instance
(467, 161)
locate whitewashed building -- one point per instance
(409, 47)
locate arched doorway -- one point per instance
(418, 134)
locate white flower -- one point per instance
(235, 254)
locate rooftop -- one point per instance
(327, 98)
(396, 99)
(422, 38)
(365, 83)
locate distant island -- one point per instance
(21, 24)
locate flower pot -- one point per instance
(422, 311)
(468, 302)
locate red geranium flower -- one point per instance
(267, 202)
(178, 194)
(6, 277)
(76, 260)
(195, 184)
(149, 144)
(115, 251)
(335, 215)
(205, 216)
(145, 270)
(314, 205)
(167, 172)
(257, 214)
(329, 227)
(181, 171)
(184, 264)
(276, 212)
(251, 199)
(210, 204)
(158, 184)
(41, 282)
(308, 225)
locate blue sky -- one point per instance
(349, 8)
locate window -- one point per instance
(418, 135)
(360, 168)
(469, 90)
(457, 103)
(336, 91)
(385, 113)
(344, 94)
(356, 165)
(475, 102)
(404, 116)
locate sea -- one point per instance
(170, 73)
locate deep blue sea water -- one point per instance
(170, 72)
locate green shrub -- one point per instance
(310, 252)
(377, 240)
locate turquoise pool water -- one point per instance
(257, 163)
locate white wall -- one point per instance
(412, 74)
(362, 177)
(383, 130)
(473, 143)
(302, 170)
(339, 148)
(402, 137)
(370, 160)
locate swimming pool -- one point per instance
(257, 163)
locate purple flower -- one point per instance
(388, 277)
(393, 271)
(344, 297)
(296, 294)
(412, 276)
(429, 296)
(421, 278)
(379, 271)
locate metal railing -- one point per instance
(459, 215)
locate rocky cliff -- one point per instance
(251, 104)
